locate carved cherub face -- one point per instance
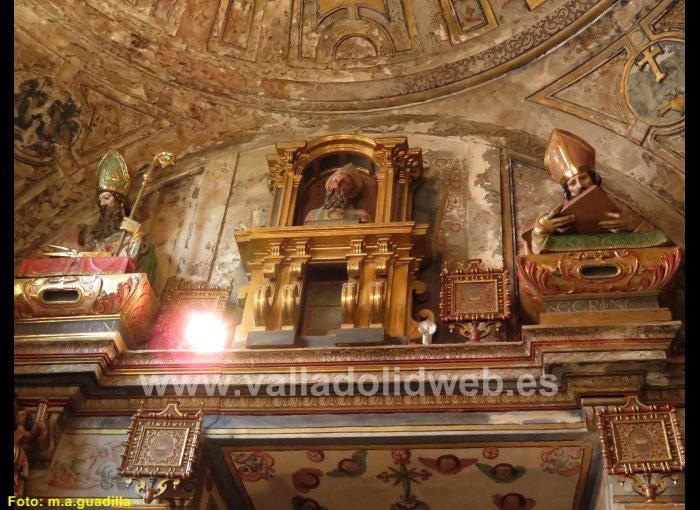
(579, 183)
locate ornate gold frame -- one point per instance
(184, 432)
(175, 297)
(474, 274)
(382, 258)
(620, 458)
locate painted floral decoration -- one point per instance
(407, 477)
(401, 456)
(254, 466)
(490, 452)
(87, 466)
(315, 455)
(561, 460)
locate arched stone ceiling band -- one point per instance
(250, 60)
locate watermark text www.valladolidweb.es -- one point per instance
(388, 382)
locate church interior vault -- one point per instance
(398, 189)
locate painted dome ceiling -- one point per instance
(324, 54)
(199, 76)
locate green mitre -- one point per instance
(113, 174)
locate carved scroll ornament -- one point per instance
(645, 270)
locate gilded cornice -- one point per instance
(599, 361)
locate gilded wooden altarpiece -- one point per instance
(277, 254)
(381, 257)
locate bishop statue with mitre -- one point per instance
(103, 237)
(589, 218)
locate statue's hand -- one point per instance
(618, 221)
(130, 226)
(550, 222)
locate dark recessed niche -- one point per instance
(60, 296)
(321, 314)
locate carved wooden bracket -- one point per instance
(377, 291)
(271, 262)
(348, 303)
(382, 256)
(350, 296)
(290, 306)
(262, 305)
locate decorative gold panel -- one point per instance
(474, 293)
(638, 438)
(162, 443)
(351, 33)
(161, 447)
(237, 28)
(178, 304)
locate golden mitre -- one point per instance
(113, 174)
(568, 155)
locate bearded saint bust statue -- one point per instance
(102, 237)
(342, 187)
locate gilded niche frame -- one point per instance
(382, 257)
(398, 167)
